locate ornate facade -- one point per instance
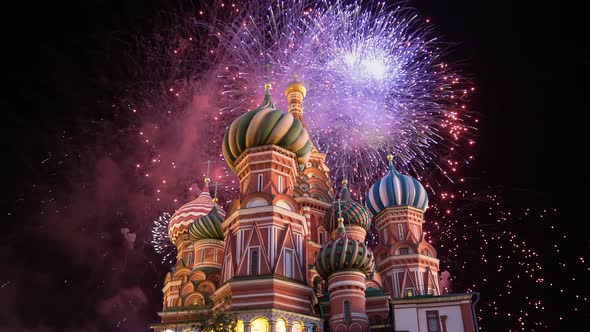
(290, 255)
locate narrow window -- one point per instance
(260, 180)
(203, 255)
(189, 259)
(321, 236)
(347, 311)
(433, 323)
(416, 232)
(254, 261)
(288, 264)
(227, 267)
(240, 243)
(400, 230)
(298, 245)
(280, 184)
(215, 256)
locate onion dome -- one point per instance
(396, 189)
(207, 226)
(295, 86)
(353, 212)
(266, 125)
(182, 219)
(343, 254)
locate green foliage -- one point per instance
(218, 321)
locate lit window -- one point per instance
(281, 325)
(409, 292)
(432, 318)
(297, 327)
(259, 325)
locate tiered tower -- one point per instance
(345, 263)
(313, 188)
(406, 262)
(266, 252)
(195, 230)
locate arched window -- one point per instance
(347, 311)
(259, 325)
(254, 262)
(297, 327)
(260, 181)
(281, 325)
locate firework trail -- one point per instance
(160, 240)
(377, 79)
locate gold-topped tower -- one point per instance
(295, 92)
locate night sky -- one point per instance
(68, 266)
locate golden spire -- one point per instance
(295, 86)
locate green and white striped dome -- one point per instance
(353, 213)
(207, 227)
(266, 125)
(344, 254)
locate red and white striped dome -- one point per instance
(183, 217)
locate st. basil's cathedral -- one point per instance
(289, 254)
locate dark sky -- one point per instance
(60, 58)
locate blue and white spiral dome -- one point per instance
(396, 189)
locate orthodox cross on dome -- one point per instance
(344, 166)
(341, 231)
(339, 201)
(207, 179)
(390, 162)
(344, 193)
(267, 85)
(215, 184)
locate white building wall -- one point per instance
(413, 319)
(406, 319)
(454, 318)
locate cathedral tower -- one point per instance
(265, 251)
(406, 262)
(345, 264)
